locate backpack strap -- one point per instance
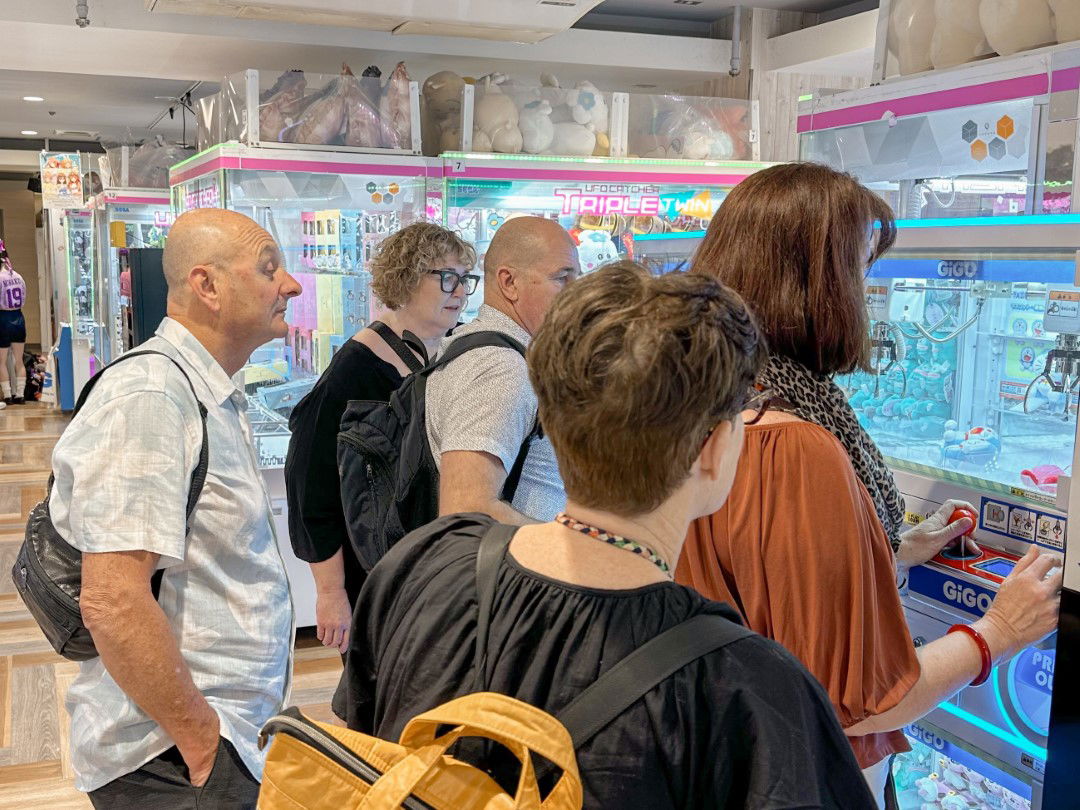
(198, 475)
(644, 669)
(477, 340)
(400, 347)
(489, 557)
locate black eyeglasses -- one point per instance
(449, 281)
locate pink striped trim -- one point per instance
(200, 169)
(1020, 87)
(701, 178)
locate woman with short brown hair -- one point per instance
(802, 546)
(640, 382)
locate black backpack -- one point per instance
(389, 481)
(48, 569)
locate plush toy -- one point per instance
(931, 788)
(954, 801)
(572, 139)
(1043, 477)
(596, 248)
(537, 131)
(495, 120)
(980, 447)
(911, 29)
(958, 34)
(588, 108)
(441, 108)
(1016, 25)
(1066, 19)
(955, 776)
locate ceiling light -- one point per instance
(32, 98)
(29, 132)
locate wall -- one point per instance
(20, 208)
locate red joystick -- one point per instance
(964, 512)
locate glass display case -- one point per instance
(989, 139)
(606, 204)
(971, 373)
(327, 212)
(83, 283)
(123, 219)
(972, 394)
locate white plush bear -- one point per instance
(1066, 19)
(596, 248)
(1012, 26)
(537, 131)
(958, 34)
(495, 122)
(911, 26)
(573, 139)
(588, 107)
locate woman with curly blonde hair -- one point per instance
(422, 274)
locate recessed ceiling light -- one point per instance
(32, 98)
(29, 132)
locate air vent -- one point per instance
(689, 2)
(560, 3)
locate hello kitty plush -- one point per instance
(596, 248)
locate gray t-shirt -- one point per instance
(483, 401)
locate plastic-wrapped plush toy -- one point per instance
(1012, 26)
(441, 112)
(588, 108)
(931, 788)
(495, 119)
(958, 34)
(978, 447)
(573, 137)
(911, 30)
(595, 248)
(1066, 19)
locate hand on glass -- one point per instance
(923, 541)
(333, 618)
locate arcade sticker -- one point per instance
(1031, 525)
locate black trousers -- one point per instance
(163, 783)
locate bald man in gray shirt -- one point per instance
(481, 407)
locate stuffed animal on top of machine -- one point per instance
(928, 34)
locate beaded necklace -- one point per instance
(614, 539)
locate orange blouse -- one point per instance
(799, 552)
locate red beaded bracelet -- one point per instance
(984, 651)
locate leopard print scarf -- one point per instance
(819, 400)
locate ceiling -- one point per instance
(113, 107)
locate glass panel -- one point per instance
(80, 258)
(970, 161)
(940, 774)
(967, 378)
(316, 109)
(327, 226)
(608, 221)
(689, 128)
(1060, 154)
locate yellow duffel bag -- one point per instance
(314, 765)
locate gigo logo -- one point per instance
(968, 597)
(927, 738)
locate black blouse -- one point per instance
(743, 727)
(316, 520)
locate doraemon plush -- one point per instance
(596, 248)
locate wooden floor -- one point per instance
(35, 770)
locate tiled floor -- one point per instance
(34, 766)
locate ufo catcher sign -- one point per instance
(61, 180)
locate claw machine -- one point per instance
(972, 394)
(123, 218)
(329, 171)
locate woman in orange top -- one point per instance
(802, 547)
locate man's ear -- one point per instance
(712, 453)
(205, 284)
(507, 279)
